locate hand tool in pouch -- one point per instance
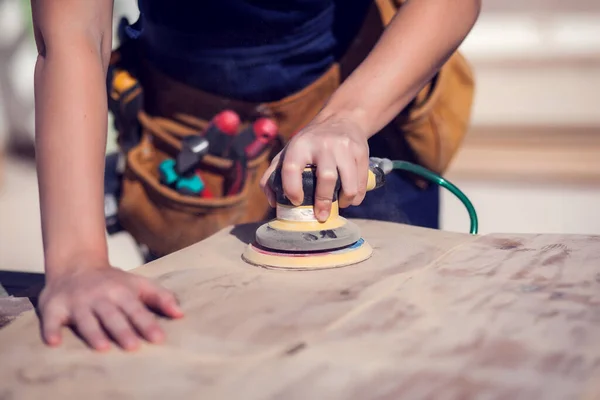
(124, 102)
(193, 149)
(112, 193)
(180, 173)
(221, 131)
(295, 239)
(125, 94)
(263, 132)
(236, 178)
(189, 185)
(249, 144)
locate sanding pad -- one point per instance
(355, 253)
(305, 237)
(297, 229)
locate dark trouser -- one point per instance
(399, 201)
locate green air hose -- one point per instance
(434, 178)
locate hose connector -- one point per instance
(385, 164)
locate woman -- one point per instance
(250, 50)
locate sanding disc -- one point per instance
(285, 236)
(258, 255)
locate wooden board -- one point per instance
(432, 315)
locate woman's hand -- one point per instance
(98, 299)
(335, 146)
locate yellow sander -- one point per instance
(296, 240)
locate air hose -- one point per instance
(388, 165)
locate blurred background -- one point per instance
(530, 163)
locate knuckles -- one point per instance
(52, 305)
(113, 292)
(326, 175)
(344, 142)
(116, 292)
(360, 150)
(288, 167)
(350, 192)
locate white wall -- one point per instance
(537, 63)
(523, 208)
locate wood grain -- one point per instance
(432, 315)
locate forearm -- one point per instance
(418, 41)
(71, 125)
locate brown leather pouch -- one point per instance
(436, 122)
(161, 218)
(166, 220)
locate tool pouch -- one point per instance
(166, 220)
(436, 122)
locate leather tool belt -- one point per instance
(155, 116)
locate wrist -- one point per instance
(57, 264)
(347, 113)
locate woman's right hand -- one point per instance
(96, 300)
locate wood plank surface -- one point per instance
(432, 315)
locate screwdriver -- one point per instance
(237, 176)
(265, 131)
(191, 184)
(220, 132)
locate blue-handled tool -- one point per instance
(189, 185)
(168, 175)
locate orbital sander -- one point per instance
(295, 239)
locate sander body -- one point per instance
(295, 239)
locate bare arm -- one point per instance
(74, 42)
(82, 290)
(418, 41)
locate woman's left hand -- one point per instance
(335, 146)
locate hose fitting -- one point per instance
(385, 164)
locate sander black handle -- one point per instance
(376, 179)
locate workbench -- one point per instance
(431, 315)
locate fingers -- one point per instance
(89, 328)
(334, 149)
(116, 323)
(264, 181)
(53, 319)
(347, 170)
(327, 176)
(292, 166)
(143, 320)
(161, 300)
(361, 155)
